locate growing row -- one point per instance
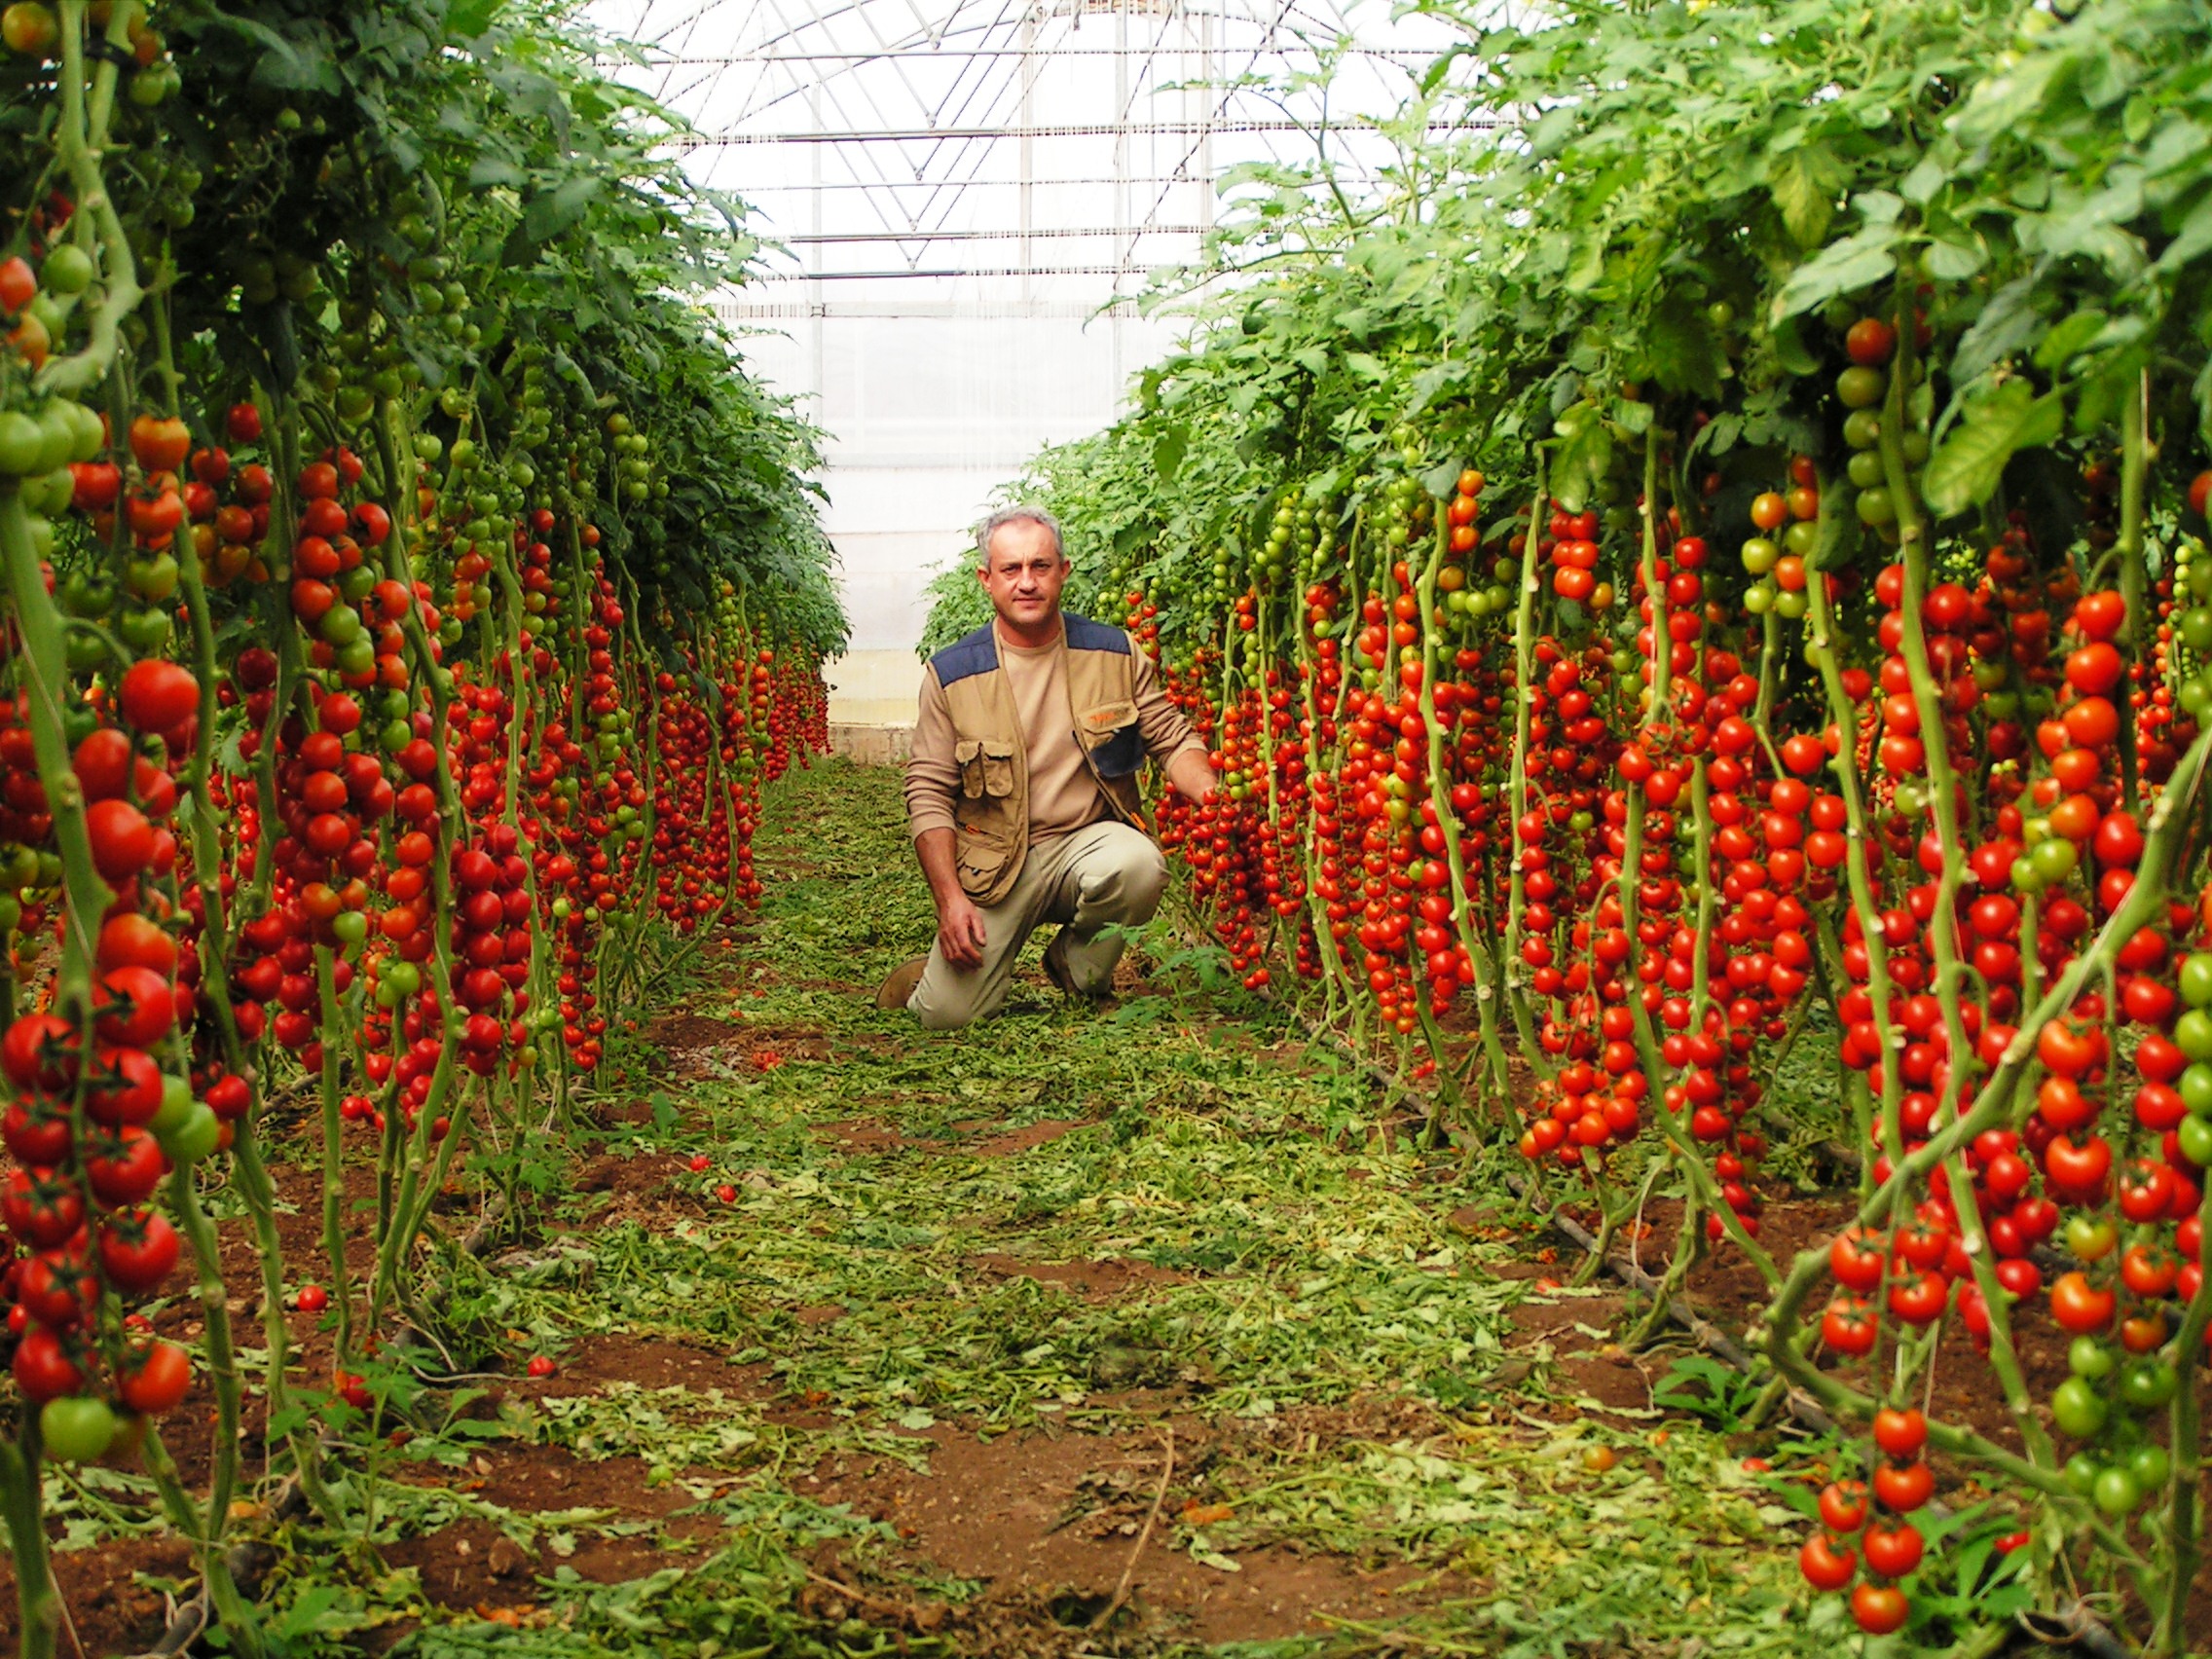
(408, 597)
(1674, 581)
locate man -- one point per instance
(1022, 793)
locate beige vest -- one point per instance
(991, 811)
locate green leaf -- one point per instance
(469, 18)
(2006, 325)
(485, 171)
(1366, 366)
(1955, 259)
(1684, 352)
(1584, 453)
(1790, 351)
(1964, 472)
(1858, 261)
(1168, 451)
(2069, 338)
(285, 65)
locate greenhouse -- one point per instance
(1252, 829)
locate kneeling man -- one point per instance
(1022, 791)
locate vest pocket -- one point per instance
(986, 770)
(998, 769)
(1111, 736)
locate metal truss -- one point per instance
(1077, 141)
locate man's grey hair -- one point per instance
(1021, 512)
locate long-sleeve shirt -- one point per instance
(1063, 795)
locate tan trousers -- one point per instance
(1103, 874)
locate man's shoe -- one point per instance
(1057, 968)
(899, 985)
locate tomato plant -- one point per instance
(409, 594)
(1645, 611)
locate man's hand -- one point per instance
(1191, 773)
(959, 932)
(959, 924)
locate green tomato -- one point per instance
(2089, 1358)
(1759, 555)
(23, 444)
(2193, 1138)
(2149, 1465)
(68, 269)
(2146, 1384)
(402, 977)
(2091, 1238)
(2115, 1491)
(2196, 982)
(1862, 429)
(76, 1428)
(143, 628)
(153, 579)
(1791, 606)
(2080, 1474)
(1759, 598)
(176, 1105)
(1865, 467)
(196, 1137)
(1876, 508)
(1914, 444)
(350, 926)
(2054, 860)
(2078, 1409)
(2196, 1084)
(49, 492)
(1802, 538)
(2193, 1034)
(2195, 629)
(1860, 386)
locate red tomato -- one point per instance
(1899, 1433)
(154, 1383)
(1879, 1608)
(1902, 1488)
(1869, 342)
(1825, 1563)
(1893, 1548)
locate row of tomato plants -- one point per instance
(380, 713)
(1625, 671)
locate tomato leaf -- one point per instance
(2008, 323)
(1168, 452)
(469, 18)
(1684, 352)
(2070, 337)
(1805, 183)
(1964, 472)
(1858, 261)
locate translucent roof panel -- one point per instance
(965, 194)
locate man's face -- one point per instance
(1024, 574)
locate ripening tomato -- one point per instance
(1879, 1608)
(1899, 1433)
(1843, 1506)
(1826, 1564)
(1902, 1488)
(155, 1383)
(2078, 1306)
(1869, 342)
(1893, 1548)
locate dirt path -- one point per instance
(1120, 1332)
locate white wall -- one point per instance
(927, 417)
